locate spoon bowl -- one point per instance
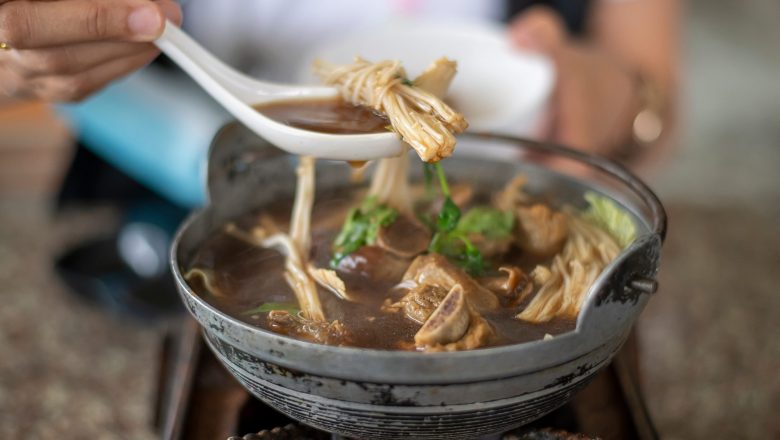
(238, 94)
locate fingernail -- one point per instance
(145, 22)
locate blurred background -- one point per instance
(709, 358)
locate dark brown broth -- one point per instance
(325, 116)
(250, 276)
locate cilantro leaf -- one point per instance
(459, 249)
(449, 239)
(445, 188)
(490, 222)
(449, 216)
(428, 176)
(472, 260)
(361, 228)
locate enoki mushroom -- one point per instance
(565, 283)
(390, 184)
(295, 246)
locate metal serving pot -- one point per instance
(363, 393)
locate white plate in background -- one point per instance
(498, 88)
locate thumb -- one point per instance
(36, 24)
(538, 29)
(171, 10)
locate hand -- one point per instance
(64, 50)
(595, 97)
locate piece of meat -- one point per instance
(420, 301)
(491, 247)
(454, 326)
(479, 334)
(448, 323)
(374, 264)
(435, 269)
(541, 230)
(405, 237)
(512, 285)
(461, 194)
(512, 195)
(323, 332)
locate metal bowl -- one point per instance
(363, 393)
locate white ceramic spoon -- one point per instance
(238, 93)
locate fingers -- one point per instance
(11, 84)
(171, 10)
(77, 87)
(66, 49)
(36, 24)
(29, 63)
(539, 29)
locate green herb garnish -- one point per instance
(271, 306)
(606, 214)
(428, 179)
(445, 188)
(361, 228)
(448, 217)
(490, 222)
(405, 81)
(472, 260)
(456, 246)
(448, 239)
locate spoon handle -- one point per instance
(208, 70)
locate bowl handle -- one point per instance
(622, 290)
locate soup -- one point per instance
(250, 282)
(334, 116)
(247, 281)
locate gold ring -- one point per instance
(5, 46)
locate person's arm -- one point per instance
(626, 62)
(65, 50)
(645, 34)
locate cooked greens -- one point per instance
(447, 239)
(606, 214)
(361, 228)
(454, 243)
(271, 306)
(490, 222)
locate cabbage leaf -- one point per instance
(606, 214)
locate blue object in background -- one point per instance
(156, 126)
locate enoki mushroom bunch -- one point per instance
(422, 119)
(390, 184)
